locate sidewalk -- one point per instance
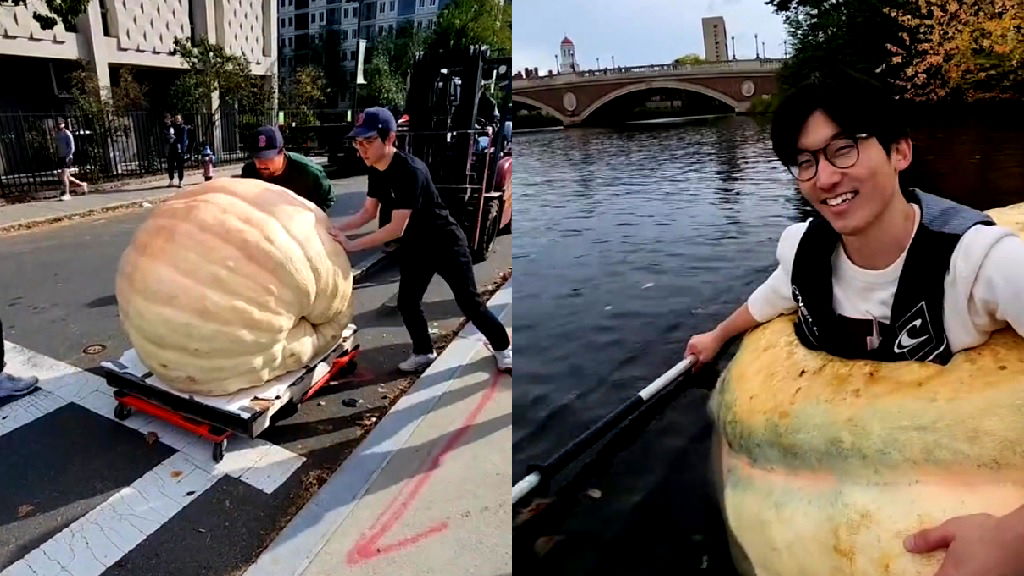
(139, 193)
(102, 198)
(427, 492)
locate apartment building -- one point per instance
(301, 23)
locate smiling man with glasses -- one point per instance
(884, 273)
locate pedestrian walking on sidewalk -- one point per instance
(65, 159)
(11, 385)
(432, 241)
(176, 138)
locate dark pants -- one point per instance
(456, 269)
(175, 163)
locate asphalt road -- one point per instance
(58, 296)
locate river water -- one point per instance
(627, 242)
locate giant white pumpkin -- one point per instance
(827, 464)
(231, 283)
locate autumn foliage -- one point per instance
(929, 50)
(967, 50)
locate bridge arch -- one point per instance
(677, 84)
(548, 109)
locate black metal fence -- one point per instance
(111, 148)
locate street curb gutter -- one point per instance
(101, 210)
(304, 537)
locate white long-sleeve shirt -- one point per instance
(984, 285)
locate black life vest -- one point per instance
(917, 331)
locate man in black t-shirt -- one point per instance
(432, 242)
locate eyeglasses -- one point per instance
(841, 153)
(365, 143)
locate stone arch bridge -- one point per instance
(574, 96)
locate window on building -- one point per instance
(283, 3)
(419, 24)
(380, 30)
(382, 7)
(391, 28)
(423, 3)
(321, 17)
(344, 13)
(284, 23)
(312, 18)
(433, 2)
(290, 21)
(391, 6)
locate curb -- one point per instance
(305, 535)
(100, 210)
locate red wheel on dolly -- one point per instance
(122, 411)
(218, 450)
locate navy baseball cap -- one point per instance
(371, 120)
(267, 142)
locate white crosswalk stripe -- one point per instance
(104, 535)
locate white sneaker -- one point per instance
(504, 359)
(14, 386)
(417, 362)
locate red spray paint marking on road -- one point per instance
(369, 544)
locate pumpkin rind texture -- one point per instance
(828, 464)
(232, 283)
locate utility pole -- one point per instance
(598, 63)
(556, 64)
(756, 53)
(733, 47)
(764, 51)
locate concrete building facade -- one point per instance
(716, 43)
(139, 33)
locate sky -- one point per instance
(635, 32)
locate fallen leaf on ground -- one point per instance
(175, 473)
(151, 437)
(25, 510)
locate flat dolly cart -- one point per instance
(215, 418)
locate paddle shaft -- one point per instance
(591, 436)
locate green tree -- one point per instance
(856, 34)
(688, 59)
(965, 50)
(385, 85)
(64, 12)
(466, 23)
(211, 69)
(306, 90)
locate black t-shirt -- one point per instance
(406, 185)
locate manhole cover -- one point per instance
(94, 349)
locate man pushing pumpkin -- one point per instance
(885, 273)
(432, 241)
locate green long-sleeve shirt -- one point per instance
(300, 175)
